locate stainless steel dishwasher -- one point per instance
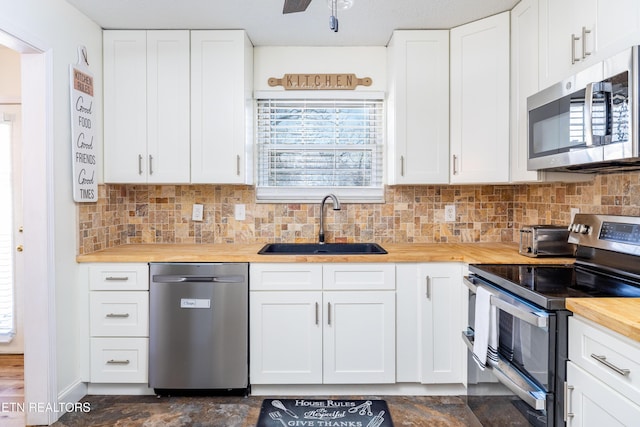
(199, 327)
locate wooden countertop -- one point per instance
(618, 314)
(487, 253)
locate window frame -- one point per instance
(374, 194)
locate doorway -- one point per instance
(40, 379)
(11, 325)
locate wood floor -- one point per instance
(11, 390)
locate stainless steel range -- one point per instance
(522, 383)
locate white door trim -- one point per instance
(40, 374)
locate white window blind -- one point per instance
(308, 147)
(7, 328)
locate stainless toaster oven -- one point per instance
(545, 240)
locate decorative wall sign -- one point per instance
(320, 81)
(83, 149)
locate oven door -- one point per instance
(518, 390)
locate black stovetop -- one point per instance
(549, 285)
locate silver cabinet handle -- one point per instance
(567, 411)
(117, 315)
(428, 292)
(605, 362)
(238, 165)
(455, 162)
(317, 313)
(328, 313)
(574, 39)
(139, 164)
(584, 42)
(118, 362)
(401, 165)
(116, 278)
(150, 164)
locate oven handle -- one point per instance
(508, 376)
(537, 319)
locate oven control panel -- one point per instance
(620, 232)
(612, 232)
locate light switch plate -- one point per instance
(240, 212)
(197, 212)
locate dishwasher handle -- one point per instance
(169, 278)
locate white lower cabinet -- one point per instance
(118, 323)
(285, 337)
(302, 334)
(430, 321)
(602, 387)
(119, 360)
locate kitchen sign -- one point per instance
(83, 132)
(320, 81)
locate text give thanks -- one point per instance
(85, 184)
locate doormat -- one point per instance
(324, 413)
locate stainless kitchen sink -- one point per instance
(322, 249)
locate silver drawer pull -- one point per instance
(603, 360)
(118, 362)
(116, 278)
(117, 315)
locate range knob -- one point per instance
(584, 229)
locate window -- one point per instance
(310, 147)
(7, 328)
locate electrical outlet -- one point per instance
(240, 212)
(450, 213)
(197, 212)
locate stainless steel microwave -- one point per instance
(589, 121)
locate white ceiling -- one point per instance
(367, 23)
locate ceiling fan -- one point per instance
(293, 6)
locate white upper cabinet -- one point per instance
(418, 107)
(221, 106)
(524, 83)
(146, 111)
(575, 33)
(480, 101)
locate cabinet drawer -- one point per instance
(119, 313)
(119, 360)
(117, 277)
(293, 276)
(359, 276)
(606, 355)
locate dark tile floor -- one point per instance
(231, 411)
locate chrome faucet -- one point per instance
(336, 207)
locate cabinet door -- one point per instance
(125, 106)
(618, 24)
(563, 46)
(359, 337)
(524, 83)
(442, 319)
(168, 154)
(418, 119)
(221, 102)
(286, 337)
(480, 101)
(593, 403)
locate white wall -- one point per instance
(59, 28)
(274, 61)
(9, 75)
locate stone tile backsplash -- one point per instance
(412, 214)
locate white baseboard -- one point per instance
(403, 389)
(124, 389)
